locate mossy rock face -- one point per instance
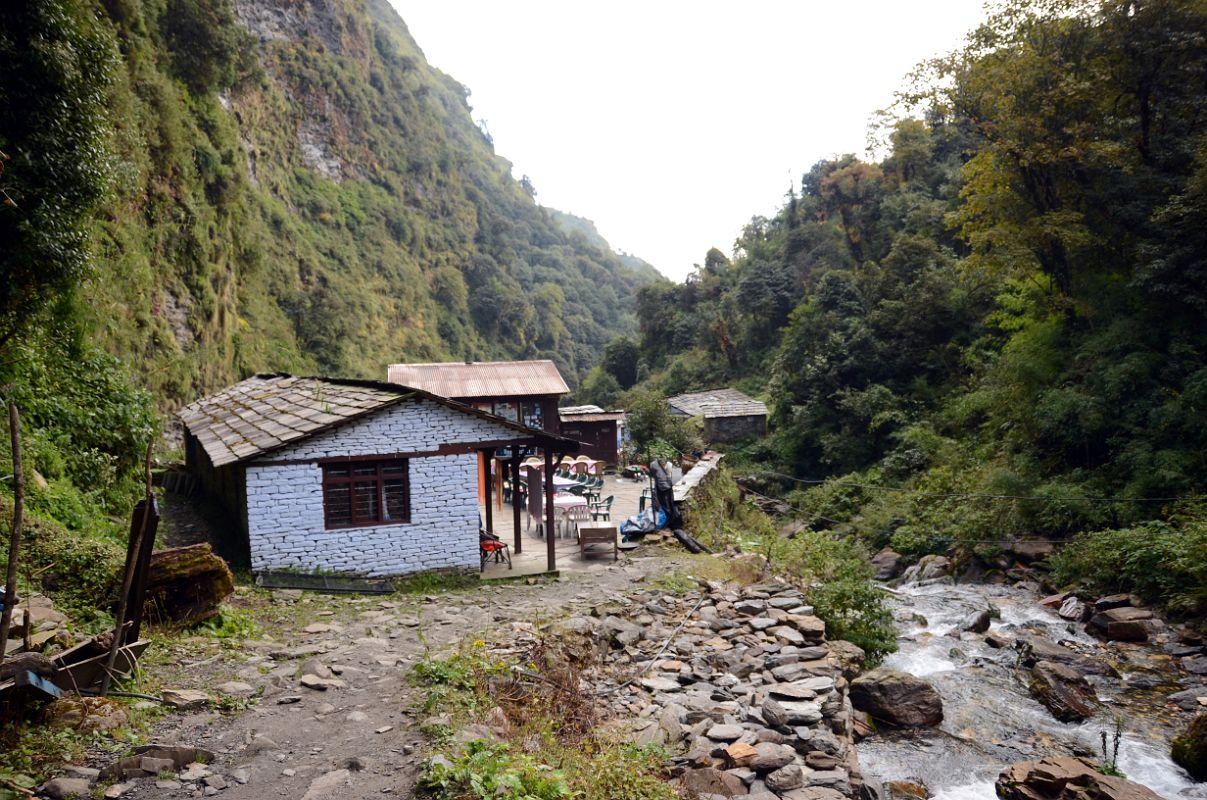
(1190, 749)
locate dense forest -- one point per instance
(996, 331)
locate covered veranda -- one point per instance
(504, 463)
(532, 558)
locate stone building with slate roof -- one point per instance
(728, 414)
(349, 477)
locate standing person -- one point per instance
(664, 495)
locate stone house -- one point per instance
(727, 414)
(349, 477)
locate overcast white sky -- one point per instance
(671, 124)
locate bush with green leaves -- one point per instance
(838, 579)
(1162, 562)
(486, 771)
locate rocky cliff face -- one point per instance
(299, 189)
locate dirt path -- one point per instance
(357, 738)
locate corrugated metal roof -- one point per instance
(566, 411)
(717, 403)
(602, 416)
(481, 378)
(267, 412)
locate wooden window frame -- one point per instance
(378, 480)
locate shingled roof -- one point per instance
(481, 378)
(267, 412)
(717, 403)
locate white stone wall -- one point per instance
(285, 501)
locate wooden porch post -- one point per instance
(550, 531)
(490, 485)
(515, 500)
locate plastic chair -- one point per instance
(602, 510)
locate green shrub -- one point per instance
(1162, 562)
(487, 771)
(839, 583)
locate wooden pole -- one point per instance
(550, 545)
(14, 541)
(489, 461)
(131, 564)
(515, 501)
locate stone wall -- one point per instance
(723, 430)
(285, 501)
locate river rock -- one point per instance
(1193, 699)
(708, 780)
(1112, 601)
(770, 757)
(1123, 624)
(928, 568)
(1195, 665)
(888, 564)
(1063, 690)
(62, 788)
(977, 622)
(849, 656)
(1036, 648)
(1190, 749)
(779, 713)
(1073, 609)
(897, 699)
(785, 778)
(1065, 778)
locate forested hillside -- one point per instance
(997, 331)
(296, 187)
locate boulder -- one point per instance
(1122, 624)
(977, 622)
(928, 568)
(1190, 749)
(770, 757)
(1063, 690)
(780, 713)
(707, 780)
(186, 584)
(1074, 610)
(1065, 778)
(1034, 649)
(1193, 699)
(888, 564)
(785, 778)
(1112, 601)
(897, 699)
(63, 788)
(1032, 549)
(849, 656)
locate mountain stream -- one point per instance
(991, 720)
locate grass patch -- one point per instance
(437, 583)
(550, 744)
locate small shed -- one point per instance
(521, 391)
(728, 414)
(601, 433)
(352, 477)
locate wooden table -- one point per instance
(594, 533)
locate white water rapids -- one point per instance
(991, 720)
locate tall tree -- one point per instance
(56, 160)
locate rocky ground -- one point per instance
(323, 706)
(741, 680)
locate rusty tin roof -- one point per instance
(481, 378)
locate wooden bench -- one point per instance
(595, 533)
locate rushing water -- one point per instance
(991, 720)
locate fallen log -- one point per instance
(688, 541)
(186, 585)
